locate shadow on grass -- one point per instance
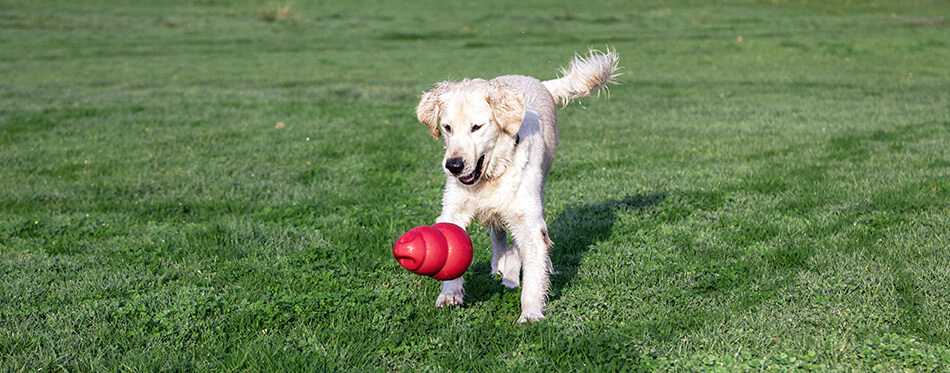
(574, 231)
(578, 228)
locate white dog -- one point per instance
(500, 138)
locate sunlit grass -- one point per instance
(203, 186)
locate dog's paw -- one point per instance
(448, 300)
(452, 293)
(530, 317)
(509, 282)
(509, 267)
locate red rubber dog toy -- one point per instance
(442, 251)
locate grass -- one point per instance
(191, 186)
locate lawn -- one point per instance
(216, 185)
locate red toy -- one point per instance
(442, 251)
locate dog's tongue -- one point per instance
(468, 179)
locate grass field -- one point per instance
(215, 185)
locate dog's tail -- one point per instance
(585, 76)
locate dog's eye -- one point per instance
(476, 127)
(448, 128)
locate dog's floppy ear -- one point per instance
(428, 111)
(507, 107)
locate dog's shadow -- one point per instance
(574, 231)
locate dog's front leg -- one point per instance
(533, 241)
(452, 291)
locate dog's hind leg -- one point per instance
(505, 259)
(499, 244)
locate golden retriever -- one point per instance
(500, 137)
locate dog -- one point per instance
(500, 138)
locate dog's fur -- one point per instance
(500, 137)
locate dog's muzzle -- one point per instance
(457, 165)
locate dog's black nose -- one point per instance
(455, 165)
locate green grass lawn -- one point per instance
(216, 185)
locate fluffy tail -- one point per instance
(585, 76)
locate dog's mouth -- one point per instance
(473, 177)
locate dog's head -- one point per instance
(476, 118)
